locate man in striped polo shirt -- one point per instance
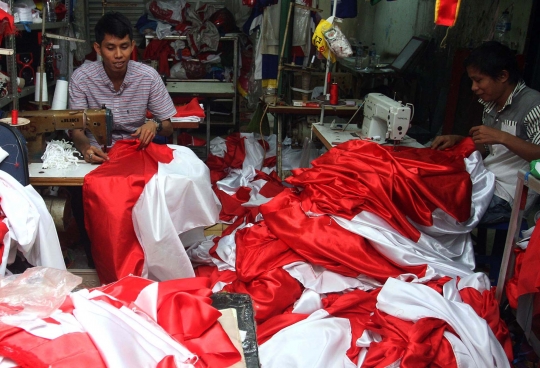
(126, 87)
(509, 137)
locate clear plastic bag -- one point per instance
(337, 42)
(36, 293)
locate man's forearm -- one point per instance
(526, 150)
(80, 140)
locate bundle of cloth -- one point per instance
(364, 259)
(133, 322)
(26, 227)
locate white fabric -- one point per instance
(31, 227)
(411, 302)
(125, 339)
(318, 341)
(218, 147)
(321, 280)
(177, 199)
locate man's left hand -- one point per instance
(146, 133)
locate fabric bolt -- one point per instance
(116, 193)
(31, 229)
(418, 185)
(178, 200)
(140, 323)
(413, 301)
(325, 243)
(142, 89)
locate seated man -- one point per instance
(509, 136)
(127, 88)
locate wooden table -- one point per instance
(282, 111)
(332, 137)
(70, 177)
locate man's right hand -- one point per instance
(94, 155)
(446, 141)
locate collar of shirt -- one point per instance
(488, 106)
(108, 81)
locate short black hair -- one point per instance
(491, 58)
(114, 24)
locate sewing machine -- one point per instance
(98, 121)
(385, 119)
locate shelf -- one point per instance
(38, 26)
(26, 91)
(202, 88)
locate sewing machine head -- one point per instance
(98, 121)
(385, 119)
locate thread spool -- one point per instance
(60, 97)
(23, 14)
(14, 117)
(334, 94)
(41, 77)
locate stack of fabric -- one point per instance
(365, 259)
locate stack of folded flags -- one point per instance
(192, 112)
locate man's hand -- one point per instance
(146, 133)
(94, 155)
(485, 135)
(445, 141)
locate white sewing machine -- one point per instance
(385, 119)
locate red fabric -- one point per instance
(214, 275)
(511, 287)
(323, 242)
(258, 250)
(419, 344)
(190, 109)
(357, 307)
(109, 194)
(185, 312)
(7, 25)
(3, 231)
(487, 307)
(273, 184)
(529, 274)
(446, 12)
(272, 292)
(273, 325)
(159, 50)
(69, 350)
(411, 182)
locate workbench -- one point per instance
(332, 137)
(70, 177)
(282, 111)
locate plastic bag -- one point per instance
(36, 293)
(169, 11)
(337, 42)
(319, 41)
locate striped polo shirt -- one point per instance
(520, 116)
(142, 89)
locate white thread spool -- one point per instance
(23, 13)
(39, 78)
(60, 97)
